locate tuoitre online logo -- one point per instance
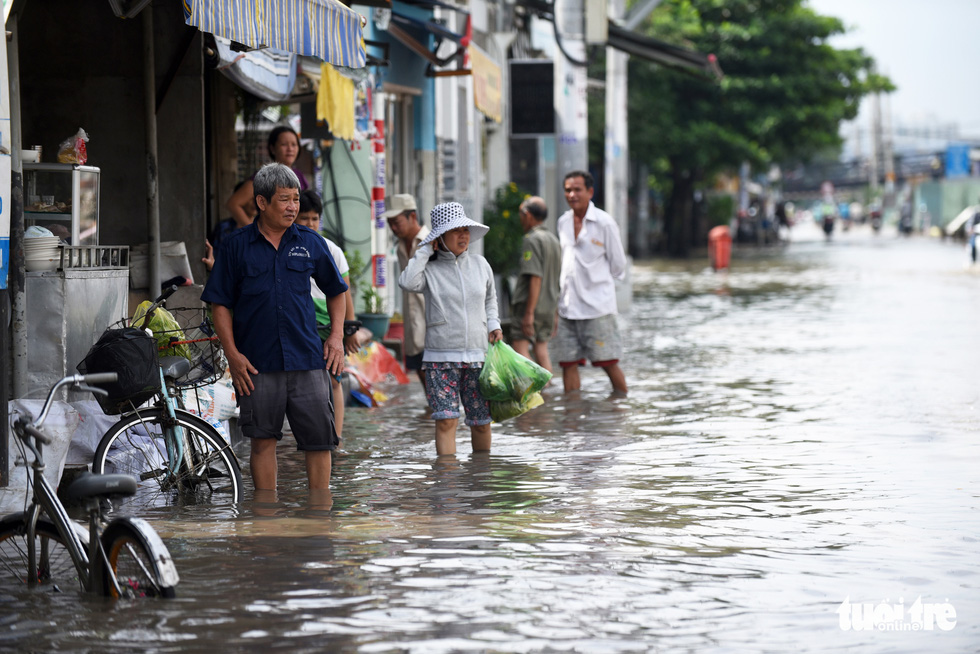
(885, 616)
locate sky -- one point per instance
(930, 50)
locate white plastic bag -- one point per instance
(225, 405)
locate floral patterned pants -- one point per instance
(446, 383)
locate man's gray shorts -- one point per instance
(595, 339)
(304, 396)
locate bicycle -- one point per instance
(174, 454)
(43, 546)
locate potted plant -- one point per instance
(357, 267)
(374, 316)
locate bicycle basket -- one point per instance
(200, 344)
(131, 354)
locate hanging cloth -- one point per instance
(335, 102)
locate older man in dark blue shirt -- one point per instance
(264, 317)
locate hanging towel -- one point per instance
(335, 102)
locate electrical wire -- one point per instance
(341, 241)
(561, 46)
(335, 231)
(546, 11)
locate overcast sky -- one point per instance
(930, 50)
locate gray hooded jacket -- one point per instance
(460, 303)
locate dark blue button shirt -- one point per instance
(268, 292)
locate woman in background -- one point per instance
(283, 145)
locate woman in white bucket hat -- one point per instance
(460, 320)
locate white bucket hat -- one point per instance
(448, 216)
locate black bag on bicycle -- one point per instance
(132, 354)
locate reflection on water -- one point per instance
(798, 431)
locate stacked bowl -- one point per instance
(41, 251)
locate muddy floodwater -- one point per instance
(795, 469)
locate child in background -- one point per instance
(461, 319)
(310, 210)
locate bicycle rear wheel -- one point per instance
(56, 570)
(136, 446)
(134, 561)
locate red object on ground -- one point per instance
(396, 330)
(719, 246)
(375, 364)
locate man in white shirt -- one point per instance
(592, 259)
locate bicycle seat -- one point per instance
(175, 367)
(89, 485)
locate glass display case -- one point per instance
(63, 198)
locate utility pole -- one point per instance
(571, 106)
(889, 162)
(616, 175)
(617, 132)
(875, 145)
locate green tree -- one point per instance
(502, 244)
(784, 94)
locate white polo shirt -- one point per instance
(589, 265)
(339, 260)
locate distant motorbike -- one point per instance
(905, 220)
(876, 220)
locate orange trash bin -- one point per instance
(719, 247)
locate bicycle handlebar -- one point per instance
(31, 430)
(73, 380)
(167, 292)
(99, 378)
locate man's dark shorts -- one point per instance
(414, 362)
(304, 396)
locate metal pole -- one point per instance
(17, 279)
(6, 212)
(875, 145)
(617, 133)
(571, 106)
(152, 199)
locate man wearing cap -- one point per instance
(403, 219)
(592, 259)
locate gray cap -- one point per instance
(398, 204)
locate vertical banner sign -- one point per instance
(378, 241)
(379, 265)
(6, 162)
(378, 192)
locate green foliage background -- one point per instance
(502, 244)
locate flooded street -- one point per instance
(802, 431)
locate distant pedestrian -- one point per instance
(534, 303)
(405, 224)
(461, 319)
(592, 259)
(310, 212)
(263, 314)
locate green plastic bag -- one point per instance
(506, 375)
(165, 329)
(500, 411)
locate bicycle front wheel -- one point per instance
(55, 568)
(137, 445)
(133, 560)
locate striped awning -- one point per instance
(325, 29)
